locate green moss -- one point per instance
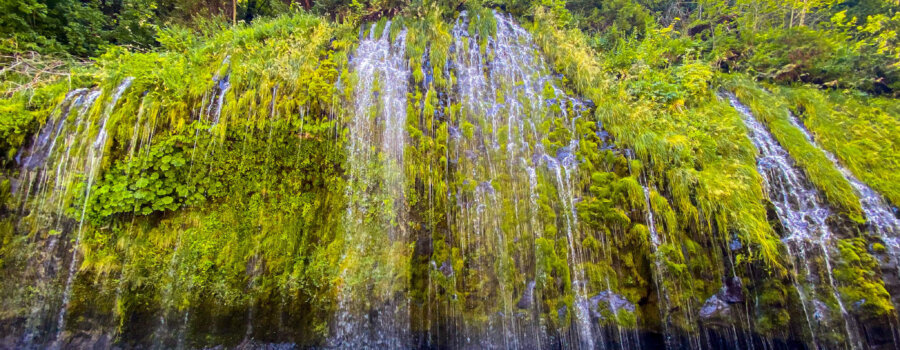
(699, 153)
(858, 275)
(221, 219)
(775, 314)
(263, 175)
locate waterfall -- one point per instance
(879, 215)
(95, 152)
(222, 84)
(43, 144)
(43, 182)
(478, 215)
(36, 178)
(371, 314)
(507, 93)
(662, 293)
(64, 151)
(802, 212)
(164, 330)
(348, 200)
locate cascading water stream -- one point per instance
(662, 293)
(37, 178)
(33, 171)
(49, 187)
(478, 215)
(801, 211)
(370, 316)
(69, 164)
(508, 96)
(879, 215)
(95, 152)
(42, 146)
(163, 329)
(881, 219)
(136, 131)
(222, 84)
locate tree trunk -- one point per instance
(803, 12)
(791, 22)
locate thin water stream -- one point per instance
(803, 214)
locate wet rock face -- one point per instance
(454, 132)
(564, 155)
(821, 311)
(486, 188)
(471, 155)
(608, 300)
(715, 308)
(718, 306)
(424, 245)
(527, 297)
(446, 268)
(615, 302)
(732, 291)
(249, 344)
(95, 339)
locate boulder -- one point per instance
(607, 300)
(718, 306)
(715, 308)
(614, 301)
(732, 291)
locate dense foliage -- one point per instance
(226, 188)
